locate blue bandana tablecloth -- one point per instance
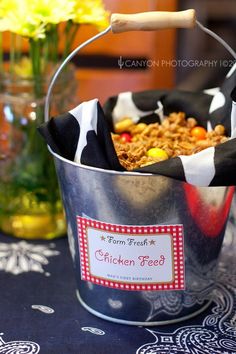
(40, 313)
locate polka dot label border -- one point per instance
(175, 231)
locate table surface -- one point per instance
(40, 312)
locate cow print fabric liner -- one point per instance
(83, 134)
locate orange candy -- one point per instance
(199, 132)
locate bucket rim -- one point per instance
(97, 169)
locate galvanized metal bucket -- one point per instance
(130, 202)
(137, 199)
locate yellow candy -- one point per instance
(123, 125)
(158, 154)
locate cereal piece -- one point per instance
(136, 129)
(191, 123)
(203, 144)
(219, 129)
(115, 137)
(166, 123)
(223, 139)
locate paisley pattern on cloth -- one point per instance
(18, 347)
(216, 334)
(21, 257)
(45, 309)
(71, 329)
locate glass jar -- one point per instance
(30, 203)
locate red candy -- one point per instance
(125, 137)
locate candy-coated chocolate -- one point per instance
(125, 137)
(123, 125)
(157, 153)
(199, 133)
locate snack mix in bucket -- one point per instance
(146, 183)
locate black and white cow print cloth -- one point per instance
(83, 134)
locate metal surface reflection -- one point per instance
(137, 199)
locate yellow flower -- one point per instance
(30, 17)
(52, 11)
(23, 68)
(91, 12)
(16, 16)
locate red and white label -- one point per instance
(131, 257)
